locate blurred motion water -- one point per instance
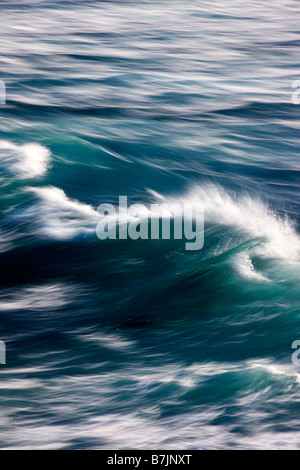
(141, 344)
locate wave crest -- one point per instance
(24, 161)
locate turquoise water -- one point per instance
(142, 344)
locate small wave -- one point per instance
(24, 161)
(40, 297)
(249, 216)
(62, 217)
(286, 370)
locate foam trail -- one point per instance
(5, 242)
(65, 218)
(25, 161)
(250, 217)
(62, 217)
(39, 297)
(287, 370)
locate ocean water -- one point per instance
(123, 344)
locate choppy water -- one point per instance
(141, 344)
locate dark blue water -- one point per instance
(142, 344)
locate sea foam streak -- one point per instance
(39, 297)
(62, 217)
(251, 217)
(25, 161)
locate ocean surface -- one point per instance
(124, 344)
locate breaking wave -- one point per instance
(24, 161)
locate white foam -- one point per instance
(286, 370)
(19, 384)
(275, 236)
(127, 430)
(251, 217)
(149, 429)
(62, 217)
(25, 161)
(245, 267)
(5, 241)
(39, 297)
(107, 340)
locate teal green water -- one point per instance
(142, 344)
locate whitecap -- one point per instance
(62, 217)
(24, 161)
(249, 216)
